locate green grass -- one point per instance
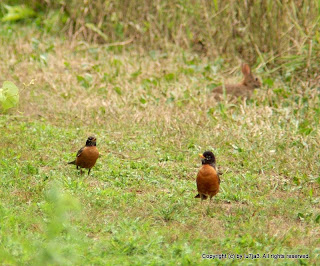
(152, 113)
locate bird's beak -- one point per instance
(201, 156)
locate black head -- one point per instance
(208, 158)
(91, 141)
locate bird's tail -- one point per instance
(73, 162)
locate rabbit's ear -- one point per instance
(245, 69)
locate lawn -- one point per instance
(152, 112)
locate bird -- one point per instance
(208, 180)
(87, 155)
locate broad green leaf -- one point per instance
(9, 95)
(17, 13)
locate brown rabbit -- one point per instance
(245, 88)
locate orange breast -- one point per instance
(207, 180)
(88, 157)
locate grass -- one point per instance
(152, 113)
(268, 32)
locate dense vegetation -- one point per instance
(139, 75)
(268, 32)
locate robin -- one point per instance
(208, 180)
(87, 155)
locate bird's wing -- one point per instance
(80, 151)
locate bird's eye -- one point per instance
(256, 79)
